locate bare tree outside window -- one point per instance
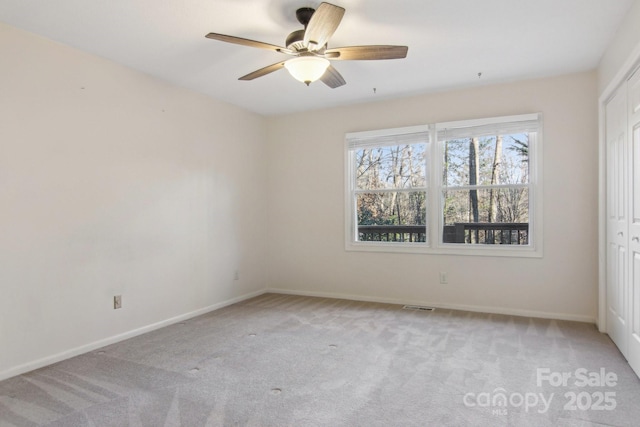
(391, 183)
(486, 184)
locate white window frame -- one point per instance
(433, 243)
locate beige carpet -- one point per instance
(279, 360)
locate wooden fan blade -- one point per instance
(332, 78)
(367, 52)
(322, 25)
(263, 71)
(247, 42)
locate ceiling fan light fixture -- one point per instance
(307, 69)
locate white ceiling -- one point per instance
(450, 42)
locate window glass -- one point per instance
(485, 197)
(389, 209)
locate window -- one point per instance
(457, 187)
(389, 185)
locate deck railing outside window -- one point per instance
(392, 233)
(463, 232)
(487, 233)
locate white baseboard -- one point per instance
(45, 361)
(462, 307)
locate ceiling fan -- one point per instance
(309, 49)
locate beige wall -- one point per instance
(626, 40)
(112, 182)
(306, 201)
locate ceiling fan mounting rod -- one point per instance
(304, 15)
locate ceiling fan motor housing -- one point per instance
(295, 40)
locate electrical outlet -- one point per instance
(444, 279)
(117, 302)
(236, 276)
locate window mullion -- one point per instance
(434, 215)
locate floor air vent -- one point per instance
(417, 308)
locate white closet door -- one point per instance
(617, 219)
(633, 304)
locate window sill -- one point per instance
(446, 249)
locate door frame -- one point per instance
(627, 69)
